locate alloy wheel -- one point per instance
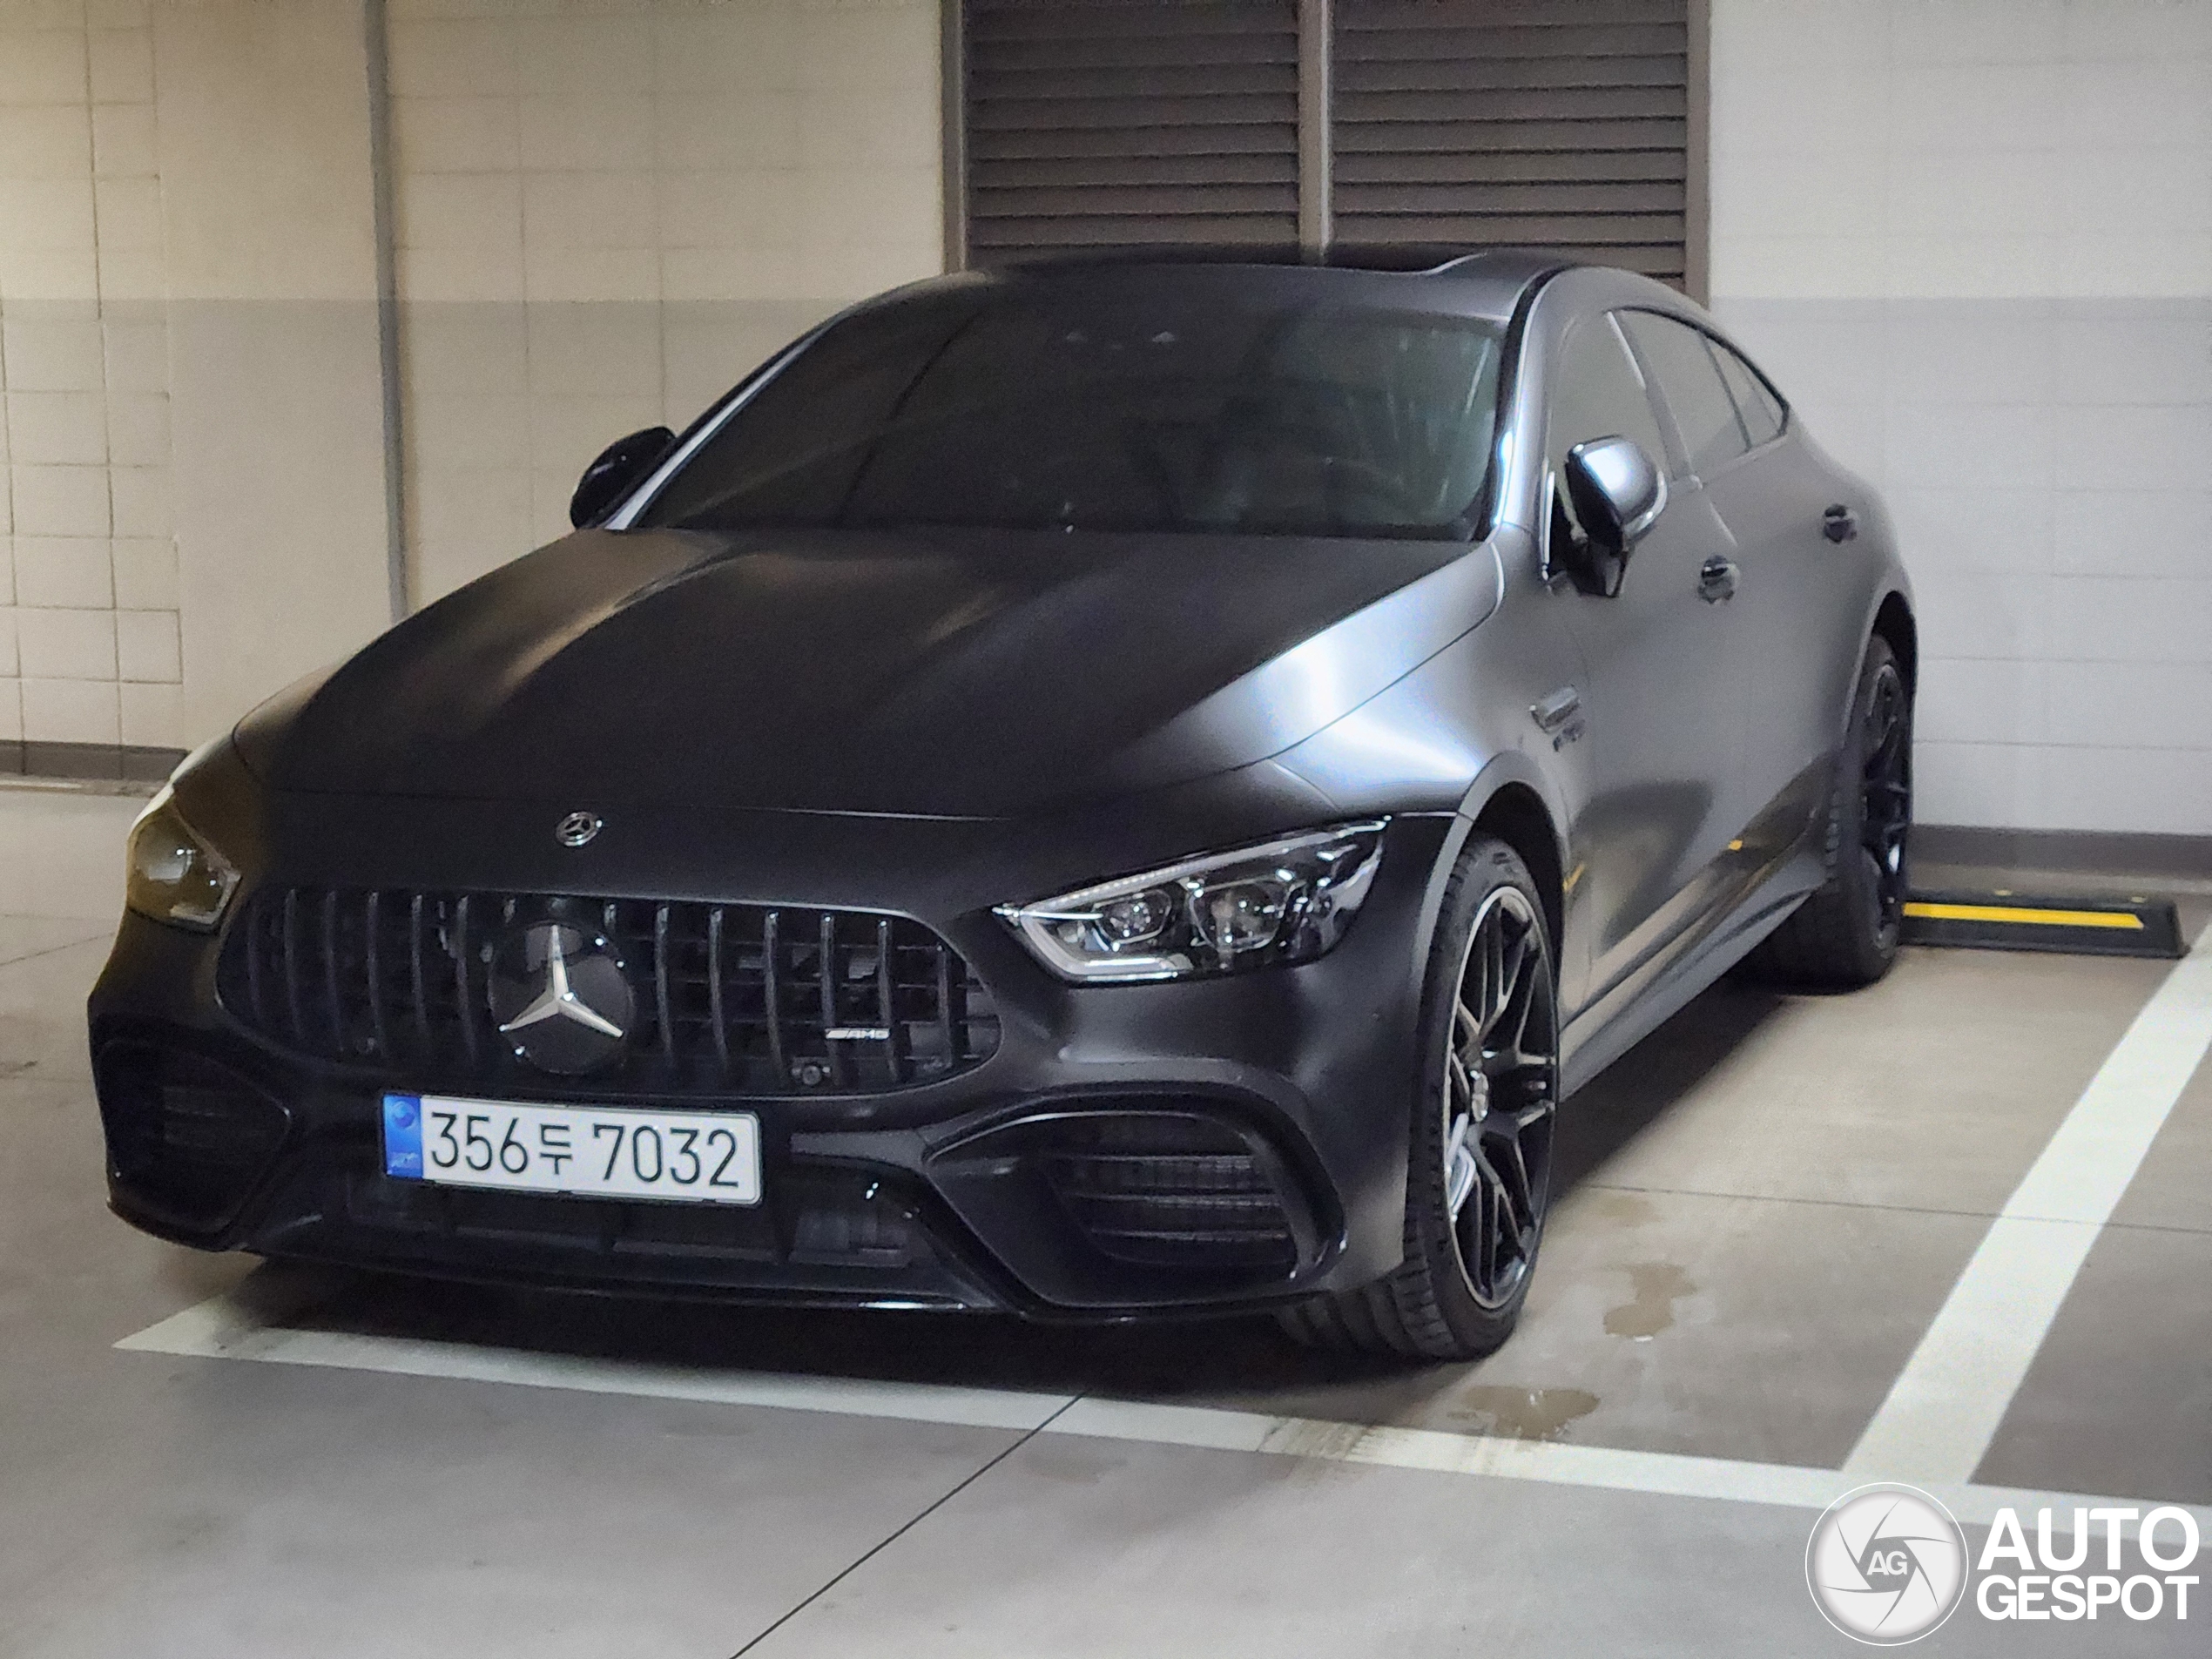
(1887, 790)
(1500, 1092)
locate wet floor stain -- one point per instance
(1521, 1413)
(1627, 1208)
(1656, 1286)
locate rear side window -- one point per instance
(1755, 399)
(1712, 434)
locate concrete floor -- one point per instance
(1770, 1201)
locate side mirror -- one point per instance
(1617, 491)
(621, 467)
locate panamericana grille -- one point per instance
(731, 999)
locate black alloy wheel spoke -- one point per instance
(1885, 817)
(1499, 1091)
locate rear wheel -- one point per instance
(1478, 1167)
(1845, 935)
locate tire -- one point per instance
(1846, 934)
(1477, 1179)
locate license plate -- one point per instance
(592, 1151)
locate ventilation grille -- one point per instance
(1561, 124)
(1130, 123)
(730, 999)
(1161, 1190)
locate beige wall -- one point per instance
(1972, 240)
(188, 345)
(89, 640)
(607, 213)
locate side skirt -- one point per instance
(1600, 1041)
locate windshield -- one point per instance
(1173, 412)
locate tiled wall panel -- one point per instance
(79, 200)
(607, 214)
(183, 529)
(1972, 240)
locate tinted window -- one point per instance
(1755, 401)
(1691, 382)
(1597, 392)
(768, 454)
(1112, 410)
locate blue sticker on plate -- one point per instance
(403, 1135)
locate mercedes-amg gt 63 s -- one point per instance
(1103, 790)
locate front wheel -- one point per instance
(1479, 1165)
(1845, 935)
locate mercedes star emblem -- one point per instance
(577, 828)
(561, 997)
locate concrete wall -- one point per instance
(606, 211)
(1972, 240)
(607, 214)
(188, 345)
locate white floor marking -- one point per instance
(223, 1328)
(218, 1329)
(1945, 1406)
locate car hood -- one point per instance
(944, 674)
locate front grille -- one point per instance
(189, 1137)
(1158, 1190)
(731, 999)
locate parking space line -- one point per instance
(217, 1329)
(1945, 1406)
(223, 1328)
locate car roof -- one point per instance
(1487, 279)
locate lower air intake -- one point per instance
(1164, 1190)
(188, 1137)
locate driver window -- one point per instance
(1597, 392)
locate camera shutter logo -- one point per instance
(1887, 1564)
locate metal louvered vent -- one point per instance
(731, 999)
(1553, 123)
(1095, 123)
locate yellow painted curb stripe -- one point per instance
(2010, 913)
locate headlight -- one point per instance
(175, 875)
(1286, 902)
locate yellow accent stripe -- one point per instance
(2011, 912)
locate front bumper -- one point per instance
(951, 1194)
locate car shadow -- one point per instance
(1244, 1362)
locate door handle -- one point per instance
(1554, 711)
(1717, 580)
(1839, 523)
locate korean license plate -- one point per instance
(596, 1152)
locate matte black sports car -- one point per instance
(1094, 791)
